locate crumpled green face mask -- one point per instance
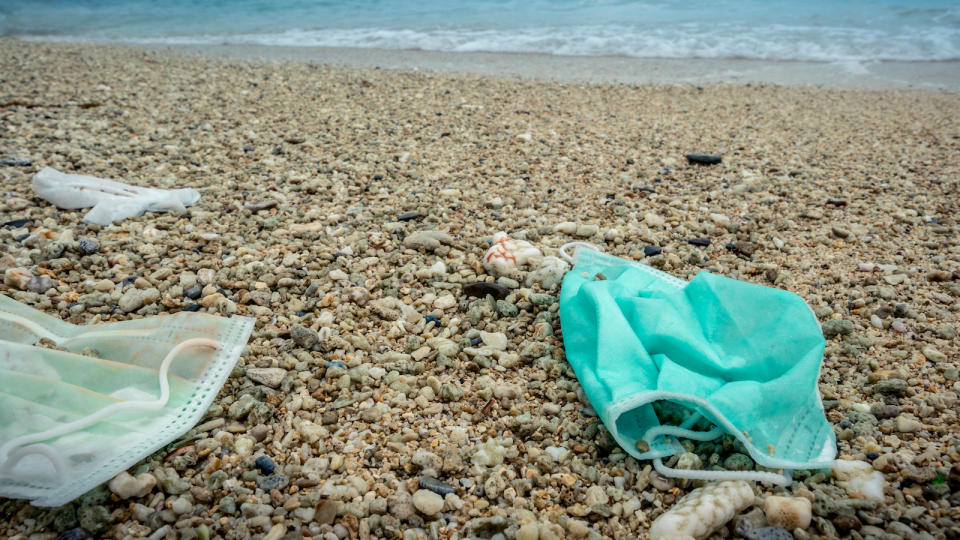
(69, 421)
(661, 359)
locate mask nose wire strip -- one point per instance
(82, 423)
(572, 259)
(44, 449)
(749, 476)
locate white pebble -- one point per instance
(530, 531)
(127, 486)
(205, 276)
(427, 502)
(653, 220)
(181, 506)
(567, 227)
(494, 340)
(446, 301)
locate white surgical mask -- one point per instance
(70, 422)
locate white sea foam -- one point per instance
(772, 43)
(817, 30)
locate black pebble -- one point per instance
(73, 534)
(650, 251)
(481, 289)
(17, 223)
(409, 216)
(265, 464)
(192, 307)
(193, 292)
(845, 424)
(702, 242)
(703, 159)
(475, 341)
(872, 455)
(431, 318)
(436, 486)
(88, 246)
(15, 162)
(129, 280)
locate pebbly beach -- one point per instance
(395, 387)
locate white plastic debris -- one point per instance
(506, 254)
(110, 200)
(703, 511)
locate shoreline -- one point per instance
(846, 75)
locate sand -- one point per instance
(848, 198)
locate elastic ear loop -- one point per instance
(572, 259)
(59, 467)
(83, 423)
(687, 474)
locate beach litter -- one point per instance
(661, 359)
(81, 404)
(110, 200)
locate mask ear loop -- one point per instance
(683, 431)
(572, 259)
(749, 476)
(83, 423)
(59, 467)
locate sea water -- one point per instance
(811, 30)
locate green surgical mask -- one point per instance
(661, 359)
(69, 422)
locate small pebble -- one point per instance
(703, 159)
(88, 246)
(428, 502)
(408, 216)
(650, 251)
(11, 161)
(436, 486)
(481, 289)
(788, 512)
(265, 464)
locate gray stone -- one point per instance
(488, 527)
(274, 481)
(53, 250)
(836, 327)
(88, 246)
(303, 336)
(890, 386)
(507, 309)
(131, 300)
(428, 240)
(40, 284)
(241, 407)
(271, 377)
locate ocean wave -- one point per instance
(771, 42)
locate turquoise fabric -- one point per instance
(660, 358)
